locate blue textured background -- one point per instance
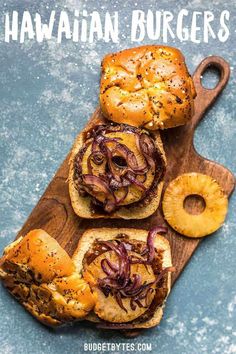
(47, 93)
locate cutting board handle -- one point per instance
(206, 96)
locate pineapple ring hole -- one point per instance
(119, 161)
(194, 204)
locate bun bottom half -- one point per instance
(105, 234)
(82, 204)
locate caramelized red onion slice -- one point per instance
(128, 246)
(113, 169)
(89, 165)
(119, 301)
(97, 157)
(147, 148)
(130, 158)
(150, 249)
(110, 246)
(99, 147)
(134, 303)
(144, 296)
(108, 267)
(147, 144)
(137, 281)
(125, 267)
(134, 181)
(96, 184)
(150, 241)
(139, 290)
(114, 283)
(97, 140)
(113, 266)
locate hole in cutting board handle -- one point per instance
(211, 77)
(214, 63)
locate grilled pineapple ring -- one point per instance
(129, 139)
(118, 165)
(106, 307)
(191, 225)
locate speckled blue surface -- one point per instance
(47, 93)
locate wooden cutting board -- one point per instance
(54, 213)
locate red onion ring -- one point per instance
(146, 147)
(150, 241)
(90, 168)
(130, 158)
(124, 270)
(135, 285)
(119, 301)
(114, 173)
(110, 245)
(133, 180)
(93, 181)
(108, 267)
(97, 157)
(137, 292)
(113, 266)
(111, 282)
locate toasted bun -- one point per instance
(105, 234)
(82, 204)
(148, 87)
(42, 254)
(42, 276)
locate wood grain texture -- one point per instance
(54, 213)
